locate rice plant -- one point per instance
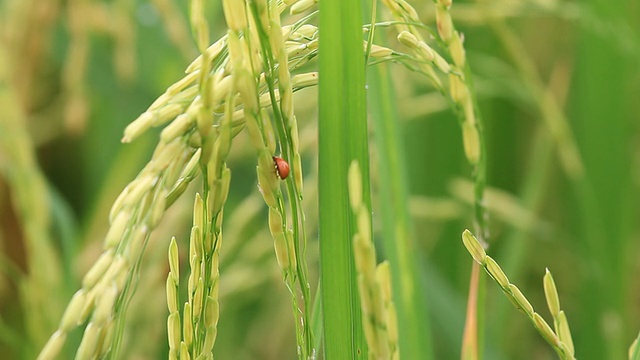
(338, 158)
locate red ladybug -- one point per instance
(282, 167)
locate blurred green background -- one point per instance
(558, 84)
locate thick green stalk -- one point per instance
(342, 135)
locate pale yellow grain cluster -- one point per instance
(379, 318)
(458, 85)
(285, 87)
(228, 87)
(560, 336)
(173, 301)
(301, 45)
(193, 335)
(207, 88)
(428, 58)
(431, 59)
(202, 308)
(246, 62)
(137, 211)
(134, 214)
(379, 52)
(560, 323)
(300, 6)
(260, 66)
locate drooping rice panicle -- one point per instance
(560, 339)
(108, 285)
(461, 94)
(184, 106)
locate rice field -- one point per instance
(330, 179)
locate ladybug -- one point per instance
(282, 167)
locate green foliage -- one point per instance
(516, 120)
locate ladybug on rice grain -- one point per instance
(282, 167)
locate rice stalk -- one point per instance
(342, 137)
